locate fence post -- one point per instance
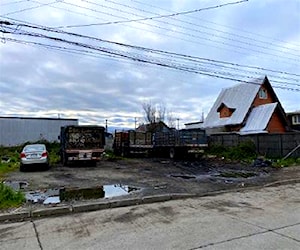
(257, 144)
(281, 146)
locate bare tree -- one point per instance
(171, 119)
(149, 112)
(161, 111)
(154, 113)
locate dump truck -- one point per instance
(180, 143)
(173, 143)
(81, 143)
(132, 142)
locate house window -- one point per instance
(262, 94)
(296, 119)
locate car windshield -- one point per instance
(31, 148)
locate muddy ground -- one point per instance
(155, 176)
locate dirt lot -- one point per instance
(156, 176)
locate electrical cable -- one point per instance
(30, 8)
(182, 33)
(218, 24)
(167, 64)
(148, 49)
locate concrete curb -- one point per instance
(107, 204)
(89, 207)
(50, 212)
(282, 182)
(15, 216)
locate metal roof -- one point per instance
(238, 97)
(194, 125)
(259, 118)
(38, 118)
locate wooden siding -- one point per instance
(226, 112)
(276, 124)
(259, 101)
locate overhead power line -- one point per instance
(44, 28)
(237, 48)
(169, 60)
(155, 17)
(108, 56)
(11, 3)
(218, 24)
(203, 27)
(30, 8)
(229, 45)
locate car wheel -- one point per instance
(22, 168)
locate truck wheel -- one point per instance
(65, 161)
(172, 153)
(125, 152)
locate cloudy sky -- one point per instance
(101, 60)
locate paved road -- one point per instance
(268, 218)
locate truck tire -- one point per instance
(172, 153)
(64, 160)
(125, 152)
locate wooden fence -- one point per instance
(270, 145)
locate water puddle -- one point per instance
(236, 177)
(48, 196)
(227, 176)
(58, 195)
(183, 176)
(236, 174)
(16, 185)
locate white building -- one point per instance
(17, 130)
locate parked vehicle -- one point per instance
(174, 143)
(34, 155)
(132, 142)
(81, 143)
(181, 143)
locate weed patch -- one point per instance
(243, 151)
(9, 197)
(287, 162)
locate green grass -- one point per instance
(287, 162)
(13, 154)
(244, 151)
(10, 198)
(110, 156)
(7, 167)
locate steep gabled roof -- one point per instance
(153, 127)
(239, 97)
(259, 118)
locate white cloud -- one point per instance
(35, 81)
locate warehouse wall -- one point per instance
(17, 130)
